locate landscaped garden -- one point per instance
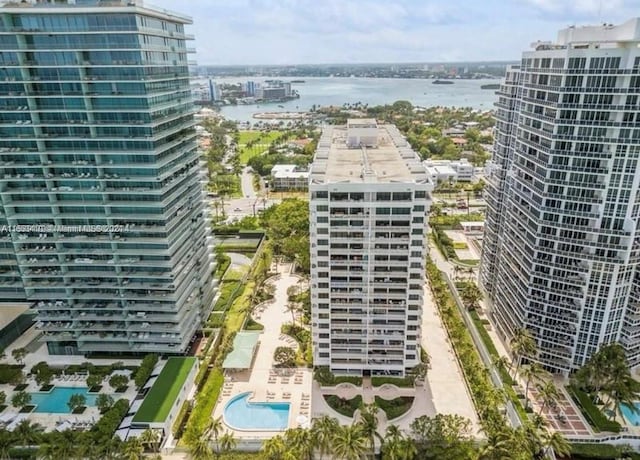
(342, 406)
(394, 408)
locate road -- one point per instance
(246, 180)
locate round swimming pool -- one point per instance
(240, 414)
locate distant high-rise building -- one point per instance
(561, 249)
(250, 89)
(101, 187)
(370, 196)
(214, 91)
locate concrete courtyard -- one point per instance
(263, 380)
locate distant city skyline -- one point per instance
(285, 32)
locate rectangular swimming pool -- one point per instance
(55, 401)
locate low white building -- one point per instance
(446, 171)
(289, 177)
(464, 169)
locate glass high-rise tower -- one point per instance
(561, 251)
(102, 216)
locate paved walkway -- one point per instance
(445, 380)
(264, 381)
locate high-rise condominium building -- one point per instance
(561, 248)
(102, 215)
(370, 195)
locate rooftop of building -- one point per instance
(61, 6)
(610, 35)
(162, 395)
(11, 311)
(391, 159)
(288, 171)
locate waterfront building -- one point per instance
(368, 205)
(561, 251)
(101, 188)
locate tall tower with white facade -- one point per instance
(369, 202)
(561, 247)
(101, 195)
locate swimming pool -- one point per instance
(55, 402)
(631, 416)
(240, 414)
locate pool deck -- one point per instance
(50, 421)
(263, 381)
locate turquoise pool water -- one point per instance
(631, 416)
(55, 402)
(240, 414)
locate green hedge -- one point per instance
(344, 407)
(252, 325)
(357, 381)
(397, 381)
(394, 408)
(8, 372)
(491, 348)
(223, 261)
(181, 419)
(591, 412)
(584, 451)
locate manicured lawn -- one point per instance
(264, 140)
(163, 393)
(394, 408)
(345, 407)
(397, 381)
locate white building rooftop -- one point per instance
(288, 172)
(392, 160)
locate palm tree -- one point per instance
(548, 394)
(350, 442)
(522, 344)
(292, 307)
(323, 429)
(396, 446)
(7, 441)
(151, 439)
(274, 448)
(199, 445)
(557, 442)
(213, 429)
(531, 373)
(59, 445)
(27, 433)
(228, 442)
(369, 422)
(133, 449)
(110, 449)
(300, 441)
(498, 446)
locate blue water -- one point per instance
(321, 91)
(631, 416)
(242, 415)
(56, 401)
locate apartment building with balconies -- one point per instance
(368, 206)
(101, 189)
(561, 247)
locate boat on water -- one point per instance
(442, 82)
(297, 81)
(491, 86)
(281, 106)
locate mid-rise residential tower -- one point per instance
(101, 194)
(370, 195)
(561, 247)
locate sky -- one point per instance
(285, 32)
